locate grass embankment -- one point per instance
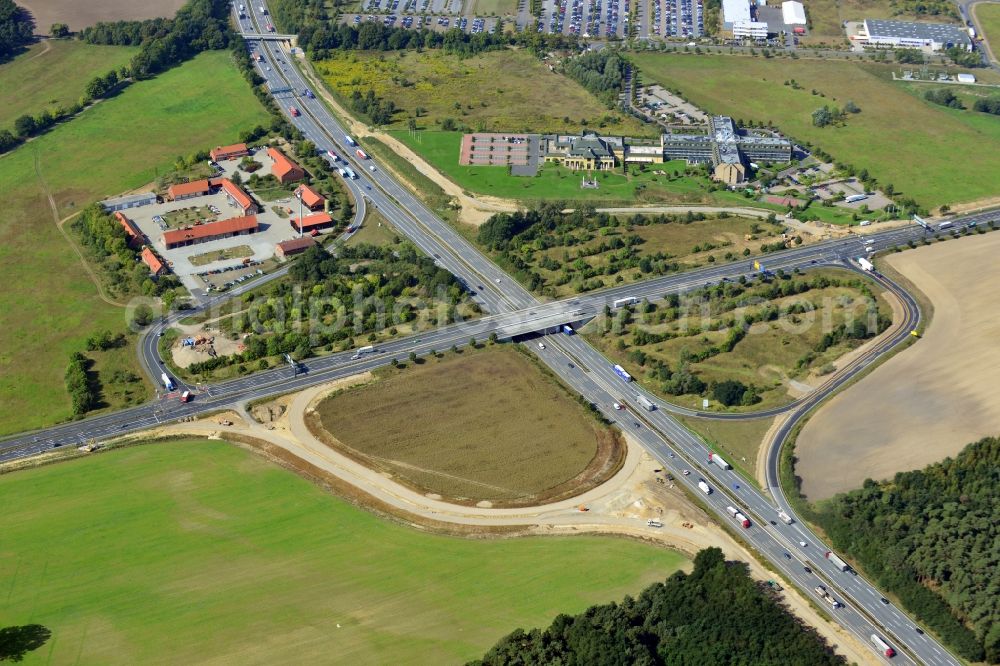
(988, 17)
(49, 305)
(54, 74)
(786, 342)
(426, 189)
(493, 91)
(898, 139)
(741, 440)
(445, 426)
(198, 551)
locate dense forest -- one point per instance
(600, 72)
(715, 615)
(933, 538)
(200, 25)
(329, 299)
(16, 28)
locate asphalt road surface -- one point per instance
(515, 312)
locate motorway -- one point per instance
(515, 312)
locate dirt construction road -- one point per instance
(930, 400)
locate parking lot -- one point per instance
(470, 24)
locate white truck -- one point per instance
(350, 141)
(704, 487)
(653, 523)
(785, 518)
(866, 265)
(837, 562)
(362, 351)
(645, 402)
(351, 174)
(715, 458)
(167, 382)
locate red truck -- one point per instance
(295, 112)
(361, 154)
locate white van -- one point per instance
(865, 223)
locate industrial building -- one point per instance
(202, 233)
(154, 263)
(232, 152)
(930, 37)
(284, 169)
(129, 201)
(195, 188)
(793, 13)
(311, 223)
(727, 148)
(135, 237)
(734, 11)
(292, 247)
(750, 30)
(588, 152)
(237, 197)
(310, 198)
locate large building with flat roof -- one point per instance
(129, 201)
(912, 35)
(734, 11)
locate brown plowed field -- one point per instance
(929, 401)
(79, 14)
(481, 426)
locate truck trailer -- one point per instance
(622, 302)
(785, 518)
(349, 141)
(704, 487)
(717, 459)
(840, 564)
(645, 402)
(167, 382)
(186, 396)
(620, 371)
(883, 646)
(866, 265)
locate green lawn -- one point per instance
(49, 306)
(930, 153)
(198, 551)
(441, 150)
(53, 74)
(988, 17)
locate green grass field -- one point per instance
(198, 551)
(738, 441)
(988, 18)
(907, 142)
(466, 445)
(53, 74)
(492, 91)
(441, 150)
(49, 305)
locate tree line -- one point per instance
(932, 537)
(717, 614)
(82, 385)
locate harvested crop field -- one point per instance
(195, 552)
(929, 401)
(484, 425)
(79, 14)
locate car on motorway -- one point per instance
(884, 600)
(807, 570)
(618, 407)
(541, 345)
(686, 472)
(788, 556)
(803, 544)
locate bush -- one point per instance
(944, 97)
